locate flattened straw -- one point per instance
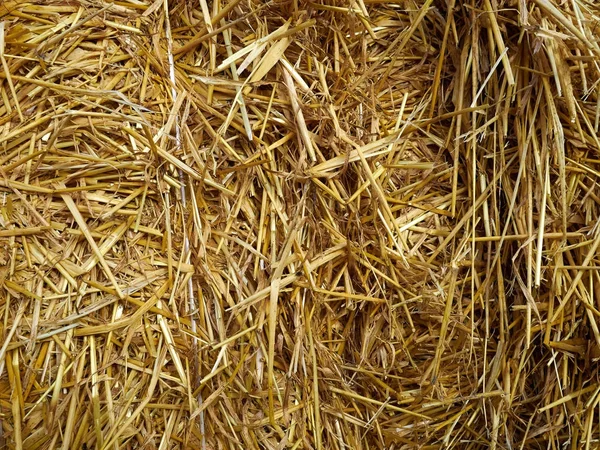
(299, 116)
(86, 232)
(542, 225)
(499, 43)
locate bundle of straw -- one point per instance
(288, 224)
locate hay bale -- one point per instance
(299, 224)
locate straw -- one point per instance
(304, 224)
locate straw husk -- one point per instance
(299, 224)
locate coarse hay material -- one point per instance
(295, 224)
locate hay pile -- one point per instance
(292, 224)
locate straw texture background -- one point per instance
(292, 224)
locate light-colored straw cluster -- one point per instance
(293, 224)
